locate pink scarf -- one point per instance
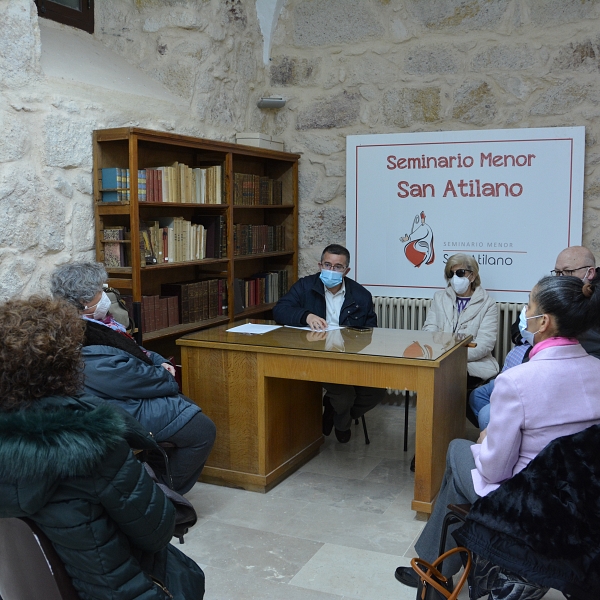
(553, 341)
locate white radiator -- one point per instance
(410, 313)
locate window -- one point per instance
(77, 13)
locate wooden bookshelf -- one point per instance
(137, 150)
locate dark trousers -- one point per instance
(457, 488)
(191, 446)
(351, 402)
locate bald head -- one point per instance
(577, 261)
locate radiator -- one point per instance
(410, 313)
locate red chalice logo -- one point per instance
(419, 247)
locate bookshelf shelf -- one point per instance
(240, 257)
(158, 166)
(186, 263)
(182, 329)
(263, 207)
(253, 310)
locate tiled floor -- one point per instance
(336, 529)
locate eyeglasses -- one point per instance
(329, 267)
(568, 272)
(462, 272)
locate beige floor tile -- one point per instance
(221, 584)
(354, 574)
(352, 528)
(337, 491)
(241, 550)
(342, 464)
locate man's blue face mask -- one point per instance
(331, 278)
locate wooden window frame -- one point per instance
(83, 19)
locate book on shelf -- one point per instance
(253, 190)
(159, 312)
(147, 253)
(142, 186)
(215, 235)
(261, 288)
(115, 251)
(116, 185)
(198, 300)
(257, 239)
(180, 183)
(176, 239)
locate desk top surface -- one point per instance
(395, 343)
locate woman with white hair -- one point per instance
(137, 380)
(465, 307)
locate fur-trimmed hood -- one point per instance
(54, 442)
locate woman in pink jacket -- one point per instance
(556, 393)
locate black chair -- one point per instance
(364, 424)
(30, 568)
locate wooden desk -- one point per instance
(264, 394)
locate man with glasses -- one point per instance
(578, 261)
(330, 298)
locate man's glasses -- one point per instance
(329, 267)
(567, 272)
(462, 272)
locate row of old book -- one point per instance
(159, 312)
(262, 288)
(175, 239)
(195, 301)
(252, 190)
(172, 183)
(257, 239)
(198, 300)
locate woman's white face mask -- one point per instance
(101, 308)
(460, 284)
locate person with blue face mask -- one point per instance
(330, 297)
(575, 261)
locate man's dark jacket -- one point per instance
(544, 523)
(307, 296)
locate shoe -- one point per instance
(343, 437)
(407, 576)
(412, 464)
(328, 413)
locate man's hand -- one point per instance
(316, 323)
(482, 436)
(169, 368)
(316, 336)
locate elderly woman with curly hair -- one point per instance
(139, 381)
(65, 463)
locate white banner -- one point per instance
(511, 198)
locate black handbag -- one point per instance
(185, 513)
(432, 584)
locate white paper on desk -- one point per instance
(253, 328)
(328, 328)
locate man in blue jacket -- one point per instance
(330, 298)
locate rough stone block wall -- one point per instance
(375, 66)
(207, 52)
(344, 66)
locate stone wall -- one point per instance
(345, 66)
(208, 56)
(377, 66)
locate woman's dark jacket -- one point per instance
(119, 371)
(307, 296)
(544, 523)
(65, 463)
